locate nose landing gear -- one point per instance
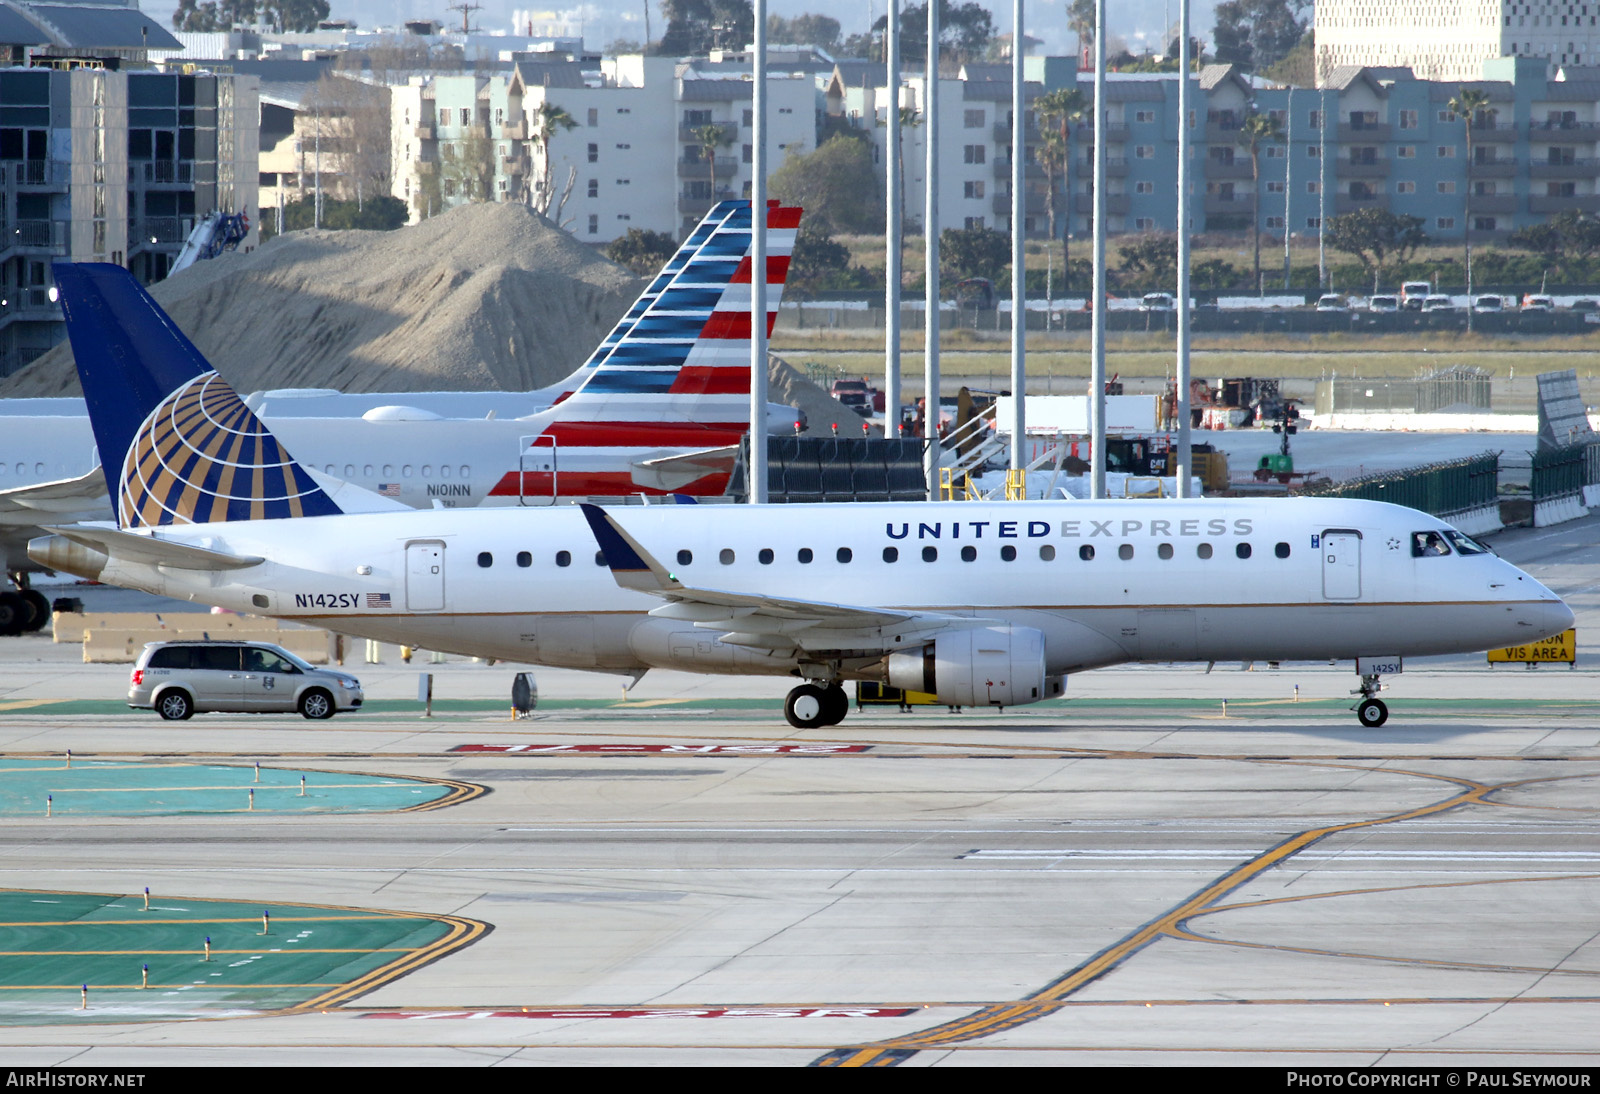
(1371, 711)
(810, 706)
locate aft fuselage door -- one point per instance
(425, 576)
(1341, 564)
(538, 470)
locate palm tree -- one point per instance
(1080, 20)
(1467, 105)
(551, 118)
(1257, 130)
(710, 138)
(1061, 109)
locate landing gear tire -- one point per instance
(836, 704)
(41, 609)
(14, 612)
(1372, 713)
(806, 707)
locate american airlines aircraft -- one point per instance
(658, 408)
(981, 604)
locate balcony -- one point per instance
(1116, 167)
(164, 172)
(1230, 203)
(1344, 203)
(1002, 169)
(1571, 169)
(426, 132)
(1036, 206)
(1501, 168)
(1365, 133)
(1494, 133)
(1582, 203)
(1002, 131)
(148, 231)
(688, 134)
(34, 173)
(1115, 131)
(515, 131)
(1493, 203)
(1564, 127)
(1362, 169)
(1223, 132)
(46, 235)
(28, 304)
(1218, 169)
(1115, 203)
(726, 167)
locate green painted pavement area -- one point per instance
(41, 785)
(53, 944)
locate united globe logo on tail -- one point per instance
(201, 456)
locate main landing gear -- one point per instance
(22, 609)
(809, 706)
(1371, 711)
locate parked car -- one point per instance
(1414, 294)
(1383, 304)
(1332, 301)
(855, 394)
(1489, 303)
(1538, 301)
(1158, 301)
(1438, 302)
(180, 679)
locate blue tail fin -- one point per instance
(177, 444)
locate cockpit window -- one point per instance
(1428, 544)
(1466, 545)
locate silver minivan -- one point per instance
(179, 679)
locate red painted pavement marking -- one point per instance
(813, 750)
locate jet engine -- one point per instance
(980, 667)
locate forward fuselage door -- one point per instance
(1341, 564)
(425, 576)
(538, 470)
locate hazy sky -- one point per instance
(1135, 21)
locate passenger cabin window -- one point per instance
(969, 554)
(803, 555)
(843, 554)
(1125, 552)
(891, 554)
(1203, 550)
(685, 557)
(599, 558)
(1008, 553)
(930, 554)
(1428, 545)
(725, 556)
(1164, 551)
(524, 559)
(1086, 552)
(485, 559)
(563, 558)
(1047, 553)
(1281, 550)
(1242, 550)
(764, 556)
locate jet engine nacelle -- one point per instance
(981, 667)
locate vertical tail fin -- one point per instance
(680, 367)
(177, 444)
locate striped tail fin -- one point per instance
(676, 371)
(177, 444)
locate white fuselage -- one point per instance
(1167, 580)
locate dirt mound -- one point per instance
(481, 298)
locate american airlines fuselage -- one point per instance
(1103, 582)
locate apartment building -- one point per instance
(643, 142)
(1451, 39)
(103, 159)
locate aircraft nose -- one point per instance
(1552, 616)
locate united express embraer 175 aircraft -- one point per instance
(658, 408)
(981, 604)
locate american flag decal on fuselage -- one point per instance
(378, 600)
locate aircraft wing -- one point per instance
(760, 620)
(134, 547)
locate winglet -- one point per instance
(631, 565)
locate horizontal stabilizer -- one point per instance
(147, 549)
